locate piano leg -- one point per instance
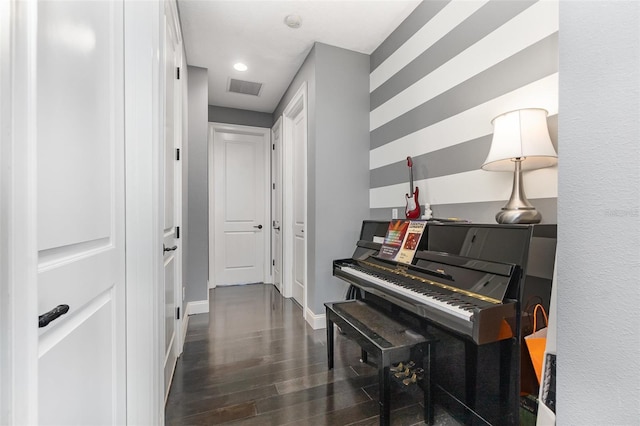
(330, 342)
(385, 392)
(428, 361)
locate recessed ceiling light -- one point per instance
(293, 21)
(240, 67)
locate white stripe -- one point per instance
(531, 26)
(470, 124)
(469, 187)
(447, 19)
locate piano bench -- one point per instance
(387, 339)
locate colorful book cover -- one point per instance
(402, 240)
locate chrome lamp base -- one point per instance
(518, 209)
(519, 216)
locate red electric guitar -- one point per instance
(413, 207)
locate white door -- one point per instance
(276, 203)
(294, 141)
(80, 212)
(172, 247)
(241, 185)
(299, 205)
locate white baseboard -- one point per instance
(185, 326)
(316, 321)
(197, 307)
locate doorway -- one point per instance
(276, 204)
(294, 142)
(239, 209)
(172, 244)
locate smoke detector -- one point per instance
(293, 21)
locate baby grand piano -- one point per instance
(467, 285)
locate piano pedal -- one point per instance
(402, 366)
(410, 380)
(405, 373)
(397, 368)
(415, 376)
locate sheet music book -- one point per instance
(402, 240)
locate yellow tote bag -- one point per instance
(537, 341)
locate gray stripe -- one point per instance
(531, 64)
(453, 159)
(476, 212)
(416, 20)
(483, 22)
(459, 158)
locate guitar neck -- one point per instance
(411, 180)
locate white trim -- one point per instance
(185, 324)
(172, 21)
(143, 136)
(298, 104)
(276, 160)
(265, 133)
(316, 322)
(211, 282)
(171, 7)
(18, 242)
(197, 307)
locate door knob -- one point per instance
(257, 226)
(58, 311)
(166, 249)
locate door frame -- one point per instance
(276, 192)
(265, 133)
(171, 23)
(297, 105)
(144, 213)
(18, 219)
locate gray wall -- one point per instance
(242, 117)
(337, 162)
(434, 99)
(598, 214)
(307, 72)
(198, 223)
(341, 161)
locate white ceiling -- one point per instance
(219, 33)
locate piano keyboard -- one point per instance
(418, 292)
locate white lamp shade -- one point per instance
(521, 134)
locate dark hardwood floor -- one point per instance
(253, 360)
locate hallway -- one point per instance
(254, 360)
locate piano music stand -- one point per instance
(386, 338)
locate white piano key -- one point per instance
(418, 297)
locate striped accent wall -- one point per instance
(435, 85)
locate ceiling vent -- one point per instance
(244, 87)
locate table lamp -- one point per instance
(520, 142)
